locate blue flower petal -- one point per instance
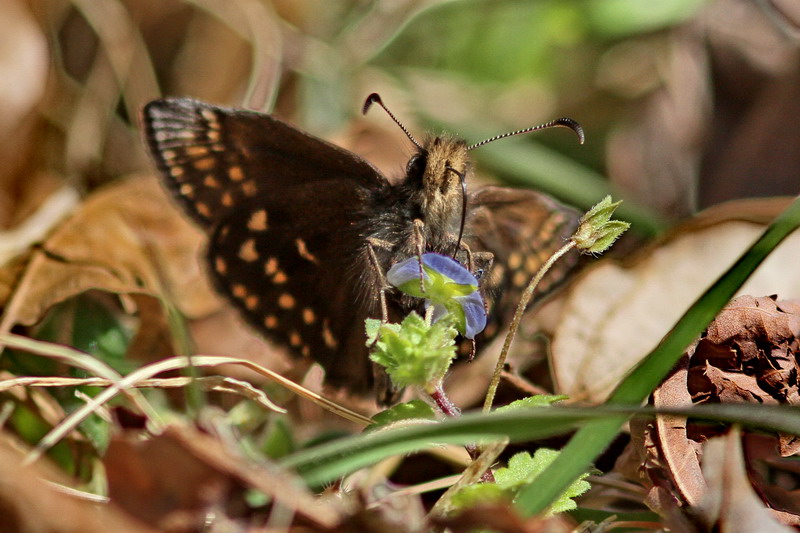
(448, 285)
(474, 312)
(449, 267)
(405, 271)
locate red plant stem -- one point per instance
(450, 409)
(443, 402)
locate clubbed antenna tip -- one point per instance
(371, 99)
(563, 122)
(375, 98)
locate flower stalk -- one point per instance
(595, 234)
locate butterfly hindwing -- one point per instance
(522, 229)
(290, 273)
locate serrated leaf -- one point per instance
(414, 352)
(522, 470)
(372, 327)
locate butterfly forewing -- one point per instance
(282, 209)
(192, 152)
(214, 158)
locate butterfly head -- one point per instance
(439, 170)
(442, 166)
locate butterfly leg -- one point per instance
(468, 252)
(419, 243)
(478, 263)
(373, 258)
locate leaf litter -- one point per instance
(749, 353)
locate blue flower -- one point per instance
(449, 287)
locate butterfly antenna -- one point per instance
(375, 98)
(463, 210)
(562, 122)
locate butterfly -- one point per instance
(301, 232)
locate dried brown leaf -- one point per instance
(729, 387)
(728, 364)
(616, 313)
(749, 353)
(126, 238)
(772, 476)
(676, 456)
(731, 505)
(748, 317)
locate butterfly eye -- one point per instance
(416, 165)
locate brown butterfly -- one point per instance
(301, 231)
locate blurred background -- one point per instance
(685, 103)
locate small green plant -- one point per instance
(418, 351)
(415, 352)
(538, 400)
(597, 231)
(413, 410)
(522, 470)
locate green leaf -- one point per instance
(373, 326)
(596, 231)
(621, 18)
(403, 411)
(601, 212)
(326, 462)
(480, 494)
(279, 441)
(522, 469)
(414, 352)
(539, 400)
(611, 231)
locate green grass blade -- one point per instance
(329, 461)
(593, 438)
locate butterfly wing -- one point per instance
(522, 228)
(213, 158)
(297, 275)
(283, 211)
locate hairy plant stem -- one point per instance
(443, 402)
(448, 408)
(512, 330)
